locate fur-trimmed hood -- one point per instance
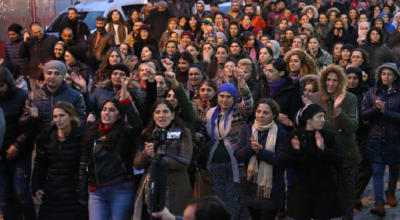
(304, 11)
(342, 86)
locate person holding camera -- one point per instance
(165, 135)
(108, 157)
(338, 33)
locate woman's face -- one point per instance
(308, 90)
(317, 122)
(226, 22)
(338, 24)
(345, 54)
(218, 19)
(283, 25)
(272, 74)
(163, 116)
(364, 28)
(264, 114)
(385, 18)
(174, 37)
(247, 73)
(144, 72)
(235, 49)
(352, 81)
(297, 43)
(171, 98)
(332, 16)
(185, 40)
(195, 76)
(144, 34)
(246, 20)
(264, 56)
(375, 37)
(388, 77)
(170, 48)
(337, 49)
(183, 65)
(207, 93)
(193, 51)
(303, 20)
(211, 40)
(145, 54)
(250, 41)
(61, 119)
(172, 25)
(58, 50)
(69, 59)
(115, 16)
(344, 18)
(208, 49)
(124, 49)
(192, 22)
(363, 18)
(264, 40)
(352, 14)
(134, 16)
(221, 55)
(109, 114)
(310, 13)
(220, 41)
(161, 85)
(294, 63)
(377, 10)
(182, 22)
(228, 69)
(233, 30)
(313, 45)
(114, 58)
(356, 58)
(225, 100)
(68, 80)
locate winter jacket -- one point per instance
(79, 28)
(37, 51)
(105, 42)
(378, 54)
(13, 104)
(331, 38)
(322, 58)
(276, 159)
(158, 22)
(44, 100)
(183, 10)
(11, 49)
(110, 166)
(383, 141)
(56, 173)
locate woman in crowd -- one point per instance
(251, 45)
(193, 49)
(143, 72)
(185, 39)
(171, 53)
(313, 154)
(194, 25)
(297, 42)
(206, 99)
(117, 26)
(336, 51)
(250, 71)
(245, 24)
(148, 52)
(310, 86)
(112, 57)
(195, 76)
(237, 50)
(172, 25)
(218, 62)
(162, 85)
(59, 51)
(265, 54)
(321, 57)
(145, 38)
(182, 69)
(345, 52)
(132, 17)
(299, 64)
(54, 178)
(75, 59)
(108, 158)
(353, 16)
(381, 108)
(223, 125)
(359, 58)
(262, 145)
(233, 32)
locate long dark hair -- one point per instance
(121, 18)
(111, 138)
(183, 77)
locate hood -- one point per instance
(313, 8)
(391, 66)
(322, 88)
(5, 76)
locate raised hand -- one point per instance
(295, 143)
(124, 89)
(171, 77)
(339, 100)
(33, 111)
(255, 146)
(39, 195)
(78, 80)
(149, 148)
(12, 152)
(284, 119)
(319, 141)
(151, 74)
(167, 63)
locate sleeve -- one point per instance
(26, 121)
(133, 118)
(185, 153)
(293, 157)
(368, 108)
(151, 98)
(83, 177)
(24, 50)
(275, 158)
(142, 159)
(6, 55)
(80, 108)
(39, 168)
(244, 152)
(188, 113)
(246, 106)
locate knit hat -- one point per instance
(207, 21)
(201, 2)
(333, 9)
(356, 71)
(391, 66)
(227, 87)
(382, 14)
(210, 34)
(228, 17)
(187, 33)
(307, 112)
(145, 27)
(122, 67)
(15, 28)
(222, 35)
(162, 4)
(308, 27)
(255, 31)
(55, 64)
(173, 19)
(77, 52)
(348, 47)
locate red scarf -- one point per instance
(103, 130)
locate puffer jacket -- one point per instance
(13, 104)
(37, 51)
(56, 173)
(383, 141)
(11, 49)
(44, 100)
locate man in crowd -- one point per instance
(67, 36)
(158, 19)
(100, 41)
(235, 13)
(12, 45)
(37, 49)
(200, 13)
(79, 28)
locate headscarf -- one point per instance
(362, 35)
(276, 48)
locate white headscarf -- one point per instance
(362, 34)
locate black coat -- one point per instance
(378, 54)
(158, 22)
(276, 159)
(56, 173)
(383, 141)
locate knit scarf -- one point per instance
(274, 87)
(252, 53)
(223, 125)
(103, 130)
(262, 173)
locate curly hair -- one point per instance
(308, 65)
(342, 81)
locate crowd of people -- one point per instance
(278, 108)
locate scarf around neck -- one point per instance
(275, 87)
(262, 173)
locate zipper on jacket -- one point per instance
(95, 168)
(122, 162)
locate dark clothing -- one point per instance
(104, 43)
(11, 49)
(183, 10)
(44, 100)
(79, 28)
(331, 39)
(158, 22)
(383, 136)
(378, 54)
(337, 5)
(276, 159)
(313, 193)
(56, 171)
(37, 51)
(139, 44)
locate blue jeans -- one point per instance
(112, 202)
(15, 176)
(377, 176)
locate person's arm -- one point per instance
(83, 176)
(347, 118)
(80, 108)
(275, 158)
(368, 108)
(30, 115)
(39, 168)
(244, 151)
(332, 152)
(246, 106)
(132, 114)
(24, 50)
